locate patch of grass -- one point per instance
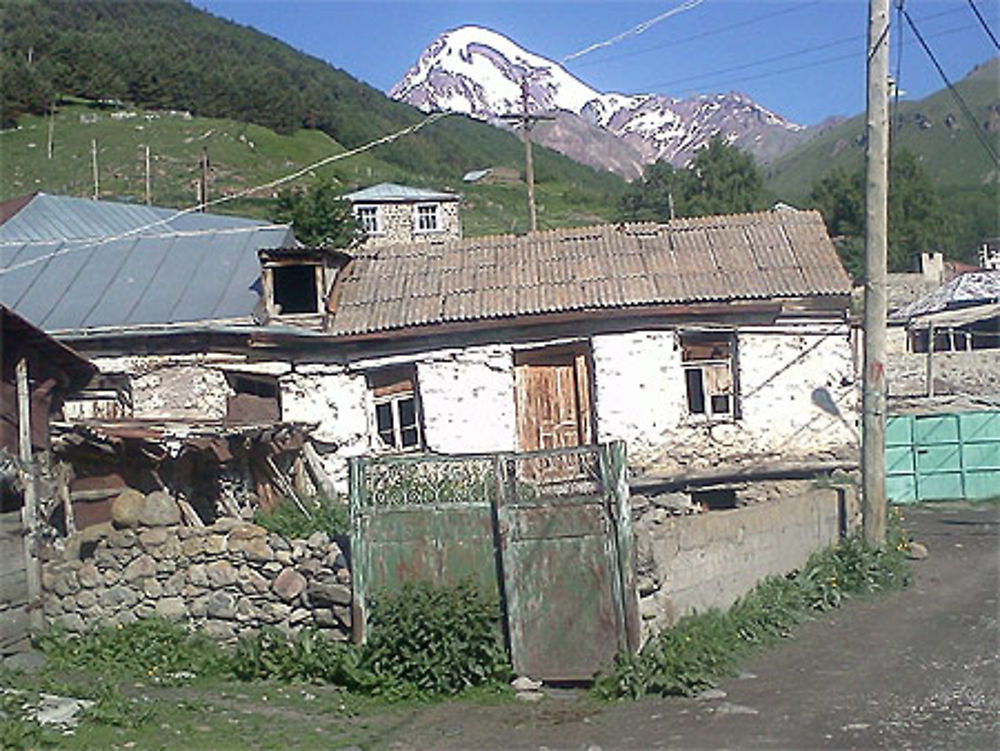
(160, 651)
(705, 646)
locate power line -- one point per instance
(986, 27)
(958, 97)
(702, 35)
(780, 71)
(409, 130)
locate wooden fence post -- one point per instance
(29, 512)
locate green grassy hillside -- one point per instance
(260, 107)
(934, 128)
(244, 155)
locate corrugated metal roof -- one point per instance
(394, 192)
(970, 288)
(69, 264)
(705, 259)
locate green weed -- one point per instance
(702, 647)
(287, 520)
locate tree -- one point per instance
(917, 221)
(319, 216)
(720, 180)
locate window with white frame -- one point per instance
(397, 413)
(709, 362)
(428, 217)
(368, 218)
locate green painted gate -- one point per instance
(548, 531)
(942, 456)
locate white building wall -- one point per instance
(640, 397)
(467, 400)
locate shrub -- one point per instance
(309, 656)
(435, 640)
(287, 520)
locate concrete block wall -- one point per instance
(709, 560)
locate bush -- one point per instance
(702, 647)
(423, 640)
(435, 640)
(287, 520)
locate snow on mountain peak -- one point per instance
(479, 72)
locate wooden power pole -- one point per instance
(526, 121)
(876, 222)
(93, 161)
(149, 181)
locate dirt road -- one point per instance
(918, 669)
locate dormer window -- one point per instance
(368, 218)
(428, 217)
(296, 288)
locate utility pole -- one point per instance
(52, 128)
(149, 185)
(876, 221)
(526, 120)
(203, 181)
(93, 160)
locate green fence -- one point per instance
(942, 456)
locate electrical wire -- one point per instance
(241, 194)
(958, 97)
(694, 37)
(986, 28)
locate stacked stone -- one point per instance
(227, 580)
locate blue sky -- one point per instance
(804, 59)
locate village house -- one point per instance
(712, 342)
(390, 213)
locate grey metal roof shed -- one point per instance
(71, 265)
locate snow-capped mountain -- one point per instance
(478, 72)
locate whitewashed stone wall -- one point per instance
(641, 399)
(173, 386)
(467, 397)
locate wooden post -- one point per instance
(149, 185)
(52, 127)
(203, 180)
(876, 221)
(29, 512)
(93, 159)
(930, 359)
(529, 165)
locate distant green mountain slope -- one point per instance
(168, 55)
(935, 129)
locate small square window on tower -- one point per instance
(369, 219)
(428, 217)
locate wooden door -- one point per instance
(553, 398)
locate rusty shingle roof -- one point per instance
(707, 259)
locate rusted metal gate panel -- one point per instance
(14, 620)
(421, 518)
(567, 561)
(549, 532)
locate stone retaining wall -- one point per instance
(708, 560)
(226, 580)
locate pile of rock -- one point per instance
(227, 579)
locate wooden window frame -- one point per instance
(701, 370)
(418, 216)
(392, 387)
(271, 288)
(370, 211)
